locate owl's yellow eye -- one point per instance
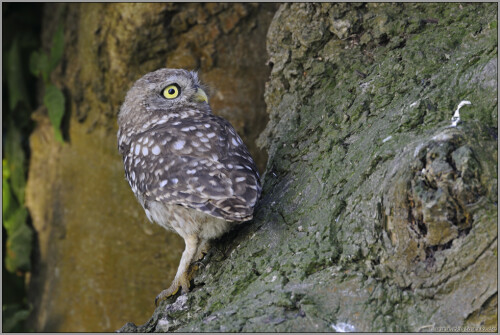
(171, 91)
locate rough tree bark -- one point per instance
(99, 262)
(376, 214)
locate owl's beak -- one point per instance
(200, 96)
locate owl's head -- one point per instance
(163, 91)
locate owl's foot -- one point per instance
(182, 281)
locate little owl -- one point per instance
(188, 168)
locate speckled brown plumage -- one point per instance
(188, 168)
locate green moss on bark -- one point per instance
(360, 101)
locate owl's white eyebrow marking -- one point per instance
(210, 135)
(137, 149)
(156, 150)
(163, 183)
(240, 179)
(234, 141)
(145, 151)
(178, 145)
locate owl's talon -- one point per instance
(166, 293)
(182, 281)
(199, 265)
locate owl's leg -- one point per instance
(203, 248)
(182, 277)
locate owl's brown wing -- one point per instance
(199, 163)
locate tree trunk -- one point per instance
(377, 214)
